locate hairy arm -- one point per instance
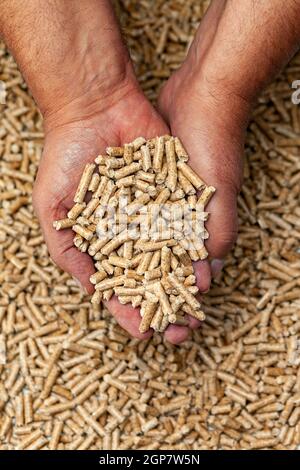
(73, 58)
(241, 45)
(68, 51)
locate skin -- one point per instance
(84, 85)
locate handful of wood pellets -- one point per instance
(139, 212)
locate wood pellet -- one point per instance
(188, 397)
(148, 241)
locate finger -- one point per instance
(69, 259)
(222, 223)
(203, 275)
(216, 267)
(64, 253)
(128, 318)
(194, 324)
(176, 334)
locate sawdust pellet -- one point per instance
(262, 267)
(84, 183)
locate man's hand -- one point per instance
(78, 69)
(215, 145)
(68, 147)
(239, 47)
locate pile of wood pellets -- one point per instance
(70, 378)
(144, 226)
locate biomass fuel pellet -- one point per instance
(147, 239)
(196, 374)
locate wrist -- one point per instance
(97, 74)
(223, 89)
(235, 55)
(228, 103)
(192, 91)
(86, 99)
(71, 54)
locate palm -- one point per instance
(67, 150)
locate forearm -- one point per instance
(249, 42)
(67, 50)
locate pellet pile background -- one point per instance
(71, 378)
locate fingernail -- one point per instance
(216, 267)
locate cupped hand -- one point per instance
(212, 130)
(71, 142)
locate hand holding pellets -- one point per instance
(143, 226)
